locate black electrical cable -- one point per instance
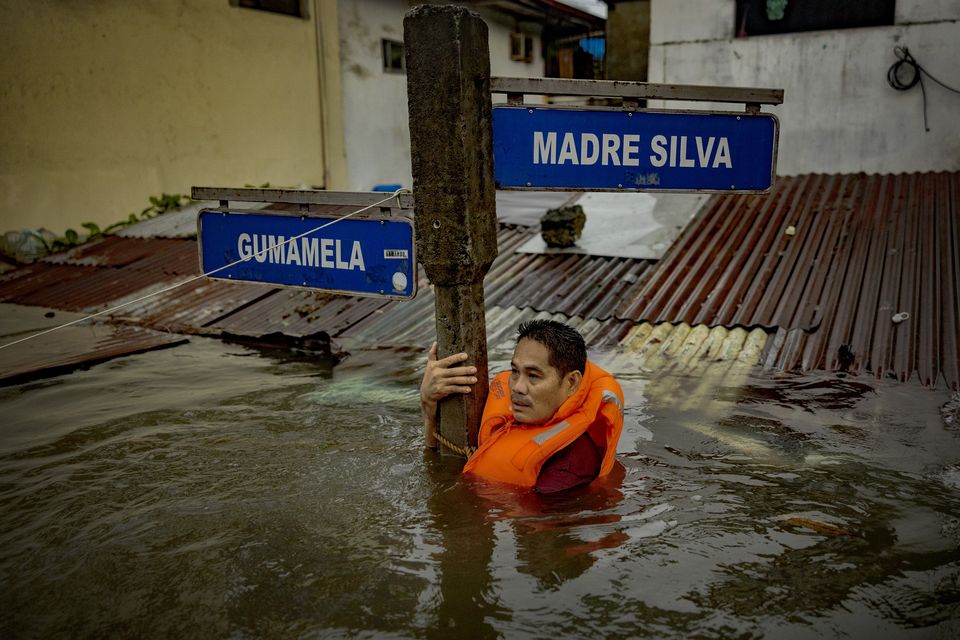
(893, 77)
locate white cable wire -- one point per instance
(203, 275)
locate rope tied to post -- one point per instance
(465, 451)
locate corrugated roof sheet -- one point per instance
(574, 285)
(80, 288)
(417, 329)
(169, 256)
(180, 223)
(193, 307)
(20, 285)
(527, 207)
(866, 247)
(101, 273)
(297, 313)
(571, 285)
(77, 346)
(686, 350)
(110, 251)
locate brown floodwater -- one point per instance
(211, 490)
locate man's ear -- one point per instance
(572, 382)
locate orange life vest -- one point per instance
(514, 453)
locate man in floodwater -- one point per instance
(550, 423)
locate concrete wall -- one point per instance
(628, 40)
(500, 63)
(839, 114)
(374, 100)
(105, 103)
(375, 129)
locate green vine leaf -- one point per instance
(158, 204)
(93, 229)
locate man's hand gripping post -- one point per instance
(441, 378)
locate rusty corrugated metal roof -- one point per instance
(75, 288)
(115, 269)
(101, 273)
(18, 286)
(77, 346)
(572, 285)
(416, 327)
(170, 256)
(865, 248)
(192, 307)
(110, 251)
(179, 223)
(297, 313)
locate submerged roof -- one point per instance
(831, 263)
(813, 273)
(70, 347)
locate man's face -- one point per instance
(536, 388)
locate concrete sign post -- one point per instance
(448, 92)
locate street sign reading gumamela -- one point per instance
(368, 257)
(616, 150)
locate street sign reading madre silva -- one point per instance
(615, 150)
(354, 256)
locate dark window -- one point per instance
(393, 56)
(286, 7)
(580, 57)
(762, 17)
(521, 47)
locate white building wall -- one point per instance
(500, 63)
(376, 132)
(839, 114)
(914, 11)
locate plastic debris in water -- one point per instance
(26, 246)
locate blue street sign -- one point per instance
(355, 256)
(614, 150)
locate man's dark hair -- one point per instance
(566, 347)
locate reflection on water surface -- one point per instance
(213, 490)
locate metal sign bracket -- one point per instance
(401, 203)
(633, 92)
